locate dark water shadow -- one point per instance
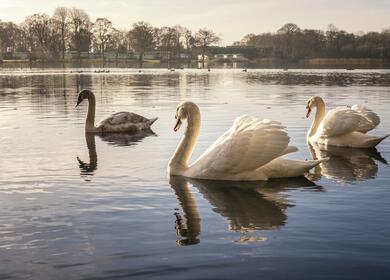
(247, 206)
(88, 168)
(125, 139)
(345, 165)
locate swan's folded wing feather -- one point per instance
(123, 121)
(371, 119)
(123, 117)
(340, 121)
(247, 145)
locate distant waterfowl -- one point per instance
(342, 126)
(117, 122)
(244, 70)
(102, 71)
(250, 150)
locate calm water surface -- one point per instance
(76, 207)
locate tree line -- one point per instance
(291, 43)
(71, 29)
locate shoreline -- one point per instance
(266, 63)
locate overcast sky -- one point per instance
(230, 18)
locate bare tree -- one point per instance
(248, 39)
(142, 38)
(41, 36)
(102, 31)
(27, 39)
(205, 38)
(80, 27)
(190, 43)
(288, 36)
(118, 42)
(38, 28)
(61, 20)
(289, 28)
(179, 40)
(9, 33)
(168, 38)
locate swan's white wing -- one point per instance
(342, 120)
(372, 120)
(247, 145)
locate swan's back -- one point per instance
(344, 120)
(372, 119)
(249, 144)
(124, 122)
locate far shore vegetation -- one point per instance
(70, 35)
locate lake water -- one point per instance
(76, 207)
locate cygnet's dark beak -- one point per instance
(79, 100)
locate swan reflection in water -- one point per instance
(115, 139)
(248, 206)
(88, 168)
(345, 165)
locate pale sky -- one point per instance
(232, 19)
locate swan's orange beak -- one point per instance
(308, 111)
(177, 125)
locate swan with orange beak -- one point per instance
(342, 126)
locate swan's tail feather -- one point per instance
(285, 168)
(313, 163)
(151, 121)
(289, 149)
(372, 143)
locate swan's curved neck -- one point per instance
(90, 121)
(320, 114)
(179, 161)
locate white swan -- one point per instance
(250, 150)
(117, 122)
(343, 126)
